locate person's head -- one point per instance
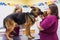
(17, 10)
(52, 10)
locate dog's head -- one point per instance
(36, 11)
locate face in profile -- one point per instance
(48, 11)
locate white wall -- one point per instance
(4, 11)
(58, 32)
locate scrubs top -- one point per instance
(50, 25)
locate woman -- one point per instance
(48, 26)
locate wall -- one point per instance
(28, 2)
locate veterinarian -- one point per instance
(49, 25)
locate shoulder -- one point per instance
(51, 17)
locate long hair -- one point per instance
(54, 10)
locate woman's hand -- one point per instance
(38, 25)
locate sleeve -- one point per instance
(47, 23)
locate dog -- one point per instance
(26, 19)
(31, 20)
(11, 20)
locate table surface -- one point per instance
(21, 37)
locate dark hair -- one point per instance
(54, 10)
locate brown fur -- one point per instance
(45, 13)
(29, 23)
